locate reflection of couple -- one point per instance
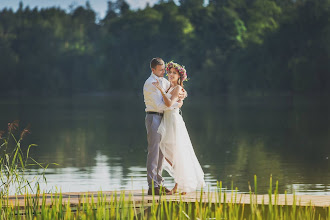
(169, 145)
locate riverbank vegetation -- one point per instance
(121, 205)
(228, 47)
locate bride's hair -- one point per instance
(180, 80)
(181, 70)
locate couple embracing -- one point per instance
(169, 145)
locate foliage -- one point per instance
(123, 205)
(236, 46)
(15, 161)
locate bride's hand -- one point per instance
(158, 86)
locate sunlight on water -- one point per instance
(103, 146)
(101, 177)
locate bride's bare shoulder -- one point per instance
(176, 89)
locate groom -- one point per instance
(155, 107)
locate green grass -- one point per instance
(119, 206)
(15, 161)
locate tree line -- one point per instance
(254, 47)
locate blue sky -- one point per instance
(100, 6)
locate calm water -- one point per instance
(100, 142)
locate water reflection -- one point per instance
(100, 142)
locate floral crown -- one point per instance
(179, 68)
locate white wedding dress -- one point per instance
(177, 148)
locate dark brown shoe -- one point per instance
(170, 193)
(156, 191)
(166, 190)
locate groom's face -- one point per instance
(159, 70)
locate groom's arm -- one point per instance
(180, 103)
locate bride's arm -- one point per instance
(174, 98)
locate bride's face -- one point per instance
(173, 75)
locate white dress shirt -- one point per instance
(153, 97)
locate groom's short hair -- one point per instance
(155, 62)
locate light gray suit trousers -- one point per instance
(155, 157)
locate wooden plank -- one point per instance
(139, 198)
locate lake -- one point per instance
(100, 141)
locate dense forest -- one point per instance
(253, 47)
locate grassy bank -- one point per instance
(121, 205)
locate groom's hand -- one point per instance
(182, 94)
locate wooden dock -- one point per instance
(139, 198)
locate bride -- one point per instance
(180, 159)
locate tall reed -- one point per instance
(15, 161)
(119, 205)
